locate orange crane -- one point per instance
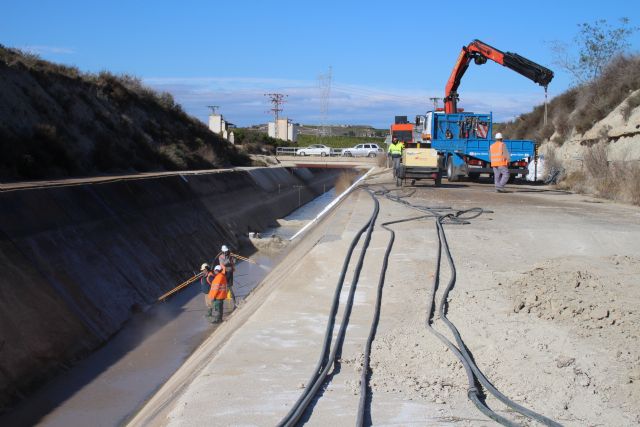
(479, 52)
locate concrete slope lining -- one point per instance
(79, 260)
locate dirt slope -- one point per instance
(56, 121)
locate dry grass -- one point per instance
(581, 107)
(92, 123)
(619, 180)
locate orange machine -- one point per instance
(402, 130)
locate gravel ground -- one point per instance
(546, 301)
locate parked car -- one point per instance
(314, 150)
(368, 150)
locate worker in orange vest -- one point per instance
(218, 293)
(500, 158)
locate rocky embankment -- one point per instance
(79, 260)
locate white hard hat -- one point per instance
(224, 248)
(498, 135)
(217, 268)
(204, 267)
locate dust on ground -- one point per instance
(596, 301)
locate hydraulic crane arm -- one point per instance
(480, 52)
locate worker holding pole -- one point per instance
(228, 261)
(205, 286)
(218, 293)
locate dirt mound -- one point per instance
(584, 295)
(594, 300)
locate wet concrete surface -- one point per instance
(107, 388)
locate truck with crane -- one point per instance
(461, 138)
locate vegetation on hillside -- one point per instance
(57, 122)
(256, 142)
(580, 107)
(605, 78)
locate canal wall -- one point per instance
(77, 261)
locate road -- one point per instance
(546, 301)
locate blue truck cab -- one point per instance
(463, 140)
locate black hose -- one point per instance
(327, 360)
(473, 372)
(463, 349)
(364, 376)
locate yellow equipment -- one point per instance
(427, 157)
(419, 163)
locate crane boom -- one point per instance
(480, 52)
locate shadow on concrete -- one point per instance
(31, 411)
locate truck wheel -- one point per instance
(451, 177)
(322, 154)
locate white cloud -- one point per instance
(242, 100)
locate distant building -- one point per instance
(218, 125)
(285, 130)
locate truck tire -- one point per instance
(322, 154)
(371, 155)
(451, 176)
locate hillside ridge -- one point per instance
(60, 122)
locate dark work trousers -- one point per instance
(218, 308)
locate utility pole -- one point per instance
(435, 100)
(324, 83)
(277, 99)
(213, 108)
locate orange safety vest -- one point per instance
(499, 154)
(218, 284)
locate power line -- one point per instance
(277, 99)
(324, 82)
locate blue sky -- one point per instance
(387, 57)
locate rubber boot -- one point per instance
(207, 313)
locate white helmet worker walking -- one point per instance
(500, 158)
